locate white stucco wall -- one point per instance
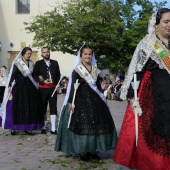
(12, 30)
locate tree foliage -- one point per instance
(112, 27)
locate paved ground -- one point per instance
(23, 152)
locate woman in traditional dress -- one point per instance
(91, 128)
(151, 63)
(3, 81)
(21, 107)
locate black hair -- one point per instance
(159, 14)
(85, 46)
(45, 47)
(25, 50)
(110, 82)
(4, 67)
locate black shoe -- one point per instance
(13, 132)
(94, 156)
(84, 156)
(43, 131)
(68, 155)
(28, 133)
(54, 133)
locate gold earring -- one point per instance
(156, 30)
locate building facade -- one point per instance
(13, 36)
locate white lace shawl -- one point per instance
(3, 79)
(24, 73)
(141, 55)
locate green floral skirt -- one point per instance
(71, 143)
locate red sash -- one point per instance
(45, 86)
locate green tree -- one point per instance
(137, 27)
(112, 27)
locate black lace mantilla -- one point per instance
(155, 120)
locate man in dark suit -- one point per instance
(47, 74)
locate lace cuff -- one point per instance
(137, 107)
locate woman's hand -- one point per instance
(9, 89)
(136, 106)
(131, 104)
(70, 108)
(1, 73)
